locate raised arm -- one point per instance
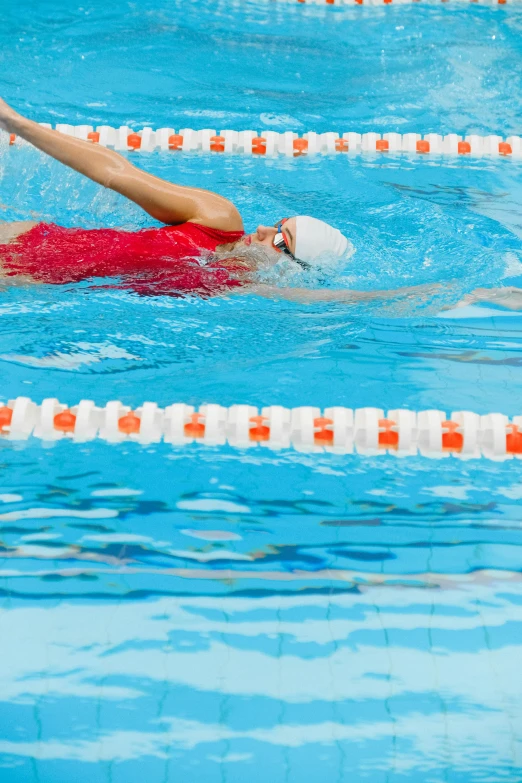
(161, 199)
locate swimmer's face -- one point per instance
(264, 235)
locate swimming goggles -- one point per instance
(280, 244)
(279, 240)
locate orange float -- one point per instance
(260, 432)
(382, 145)
(195, 428)
(423, 146)
(388, 437)
(259, 144)
(6, 416)
(134, 141)
(341, 145)
(300, 147)
(217, 143)
(323, 435)
(451, 439)
(93, 136)
(175, 142)
(65, 421)
(129, 424)
(464, 148)
(504, 148)
(513, 439)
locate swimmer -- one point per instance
(162, 260)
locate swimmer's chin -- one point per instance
(245, 241)
(253, 255)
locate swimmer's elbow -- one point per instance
(117, 175)
(226, 218)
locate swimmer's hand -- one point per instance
(509, 297)
(8, 117)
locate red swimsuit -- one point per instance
(151, 261)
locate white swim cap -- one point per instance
(314, 238)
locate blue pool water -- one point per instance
(213, 615)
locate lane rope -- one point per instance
(365, 431)
(402, 2)
(272, 144)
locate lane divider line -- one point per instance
(365, 431)
(272, 144)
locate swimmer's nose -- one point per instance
(265, 232)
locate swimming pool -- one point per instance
(212, 614)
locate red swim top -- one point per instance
(151, 261)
